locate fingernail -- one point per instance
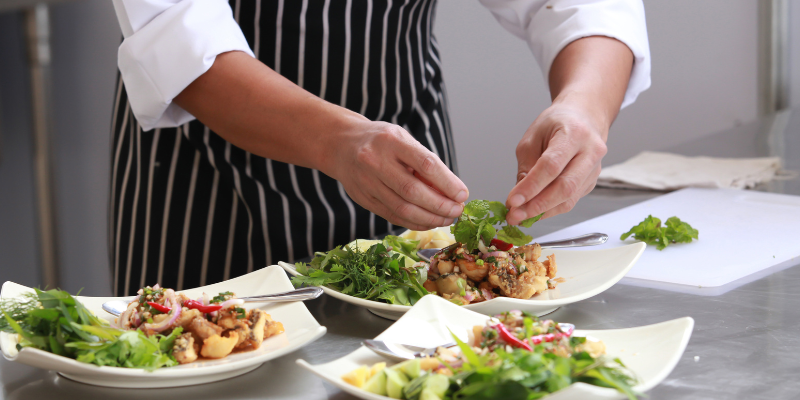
(516, 200)
(518, 215)
(461, 197)
(455, 212)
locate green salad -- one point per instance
(384, 270)
(515, 356)
(56, 322)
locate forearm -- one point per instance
(258, 110)
(592, 73)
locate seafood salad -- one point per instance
(464, 277)
(513, 356)
(210, 327)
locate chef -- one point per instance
(254, 131)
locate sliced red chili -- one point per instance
(509, 338)
(158, 307)
(501, 245)
(196, 305)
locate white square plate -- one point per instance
(651, 351)
(301, 329)
(586, 273)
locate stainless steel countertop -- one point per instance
(745, 342)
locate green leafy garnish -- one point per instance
(651, 231)
(56, 322)
(376, 273)
(522, 374)
(478, 220)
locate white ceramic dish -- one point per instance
(586, 273)
(651, 351)
(301, 329)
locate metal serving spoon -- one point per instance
(117, 307)
(401, 352)
(590, 239)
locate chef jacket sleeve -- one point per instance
(549, 26)
(167, 45)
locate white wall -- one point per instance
(704, 80)
(85, 36)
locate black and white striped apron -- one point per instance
(188, 208)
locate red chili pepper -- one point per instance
(509, 338)
(159, 307)
(194, 304)
(567, 330)
(501, 245)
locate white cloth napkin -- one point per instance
(665, 171)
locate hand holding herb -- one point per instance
(650, 231)
(476, 224)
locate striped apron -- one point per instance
(188, 208)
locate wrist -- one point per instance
(593, 109)
(337, 134)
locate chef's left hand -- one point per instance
(558, 161)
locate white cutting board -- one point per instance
(740, 233)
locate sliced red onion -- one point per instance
(468, 296)
(176, 312)
(232, 302)
(206, 300)
(495, 254)
(434, 265)
(156, 287)
(487, 294)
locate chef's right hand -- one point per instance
(376, 162)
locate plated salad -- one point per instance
(160, 328)
(207, 327)
(486, 261)
(514, 356)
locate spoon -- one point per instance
(117, 307)
(589, 239)
(401, 352)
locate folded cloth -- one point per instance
(665, 171)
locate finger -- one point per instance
(568, 205)
(568, 185)
(546, 169)
(400, 210)
(415, 191)
(378, 206)
(433, 170)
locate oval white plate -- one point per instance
(586, 273)
(651, 351)
(301, 329)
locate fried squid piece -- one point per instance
(184, 350)
(550, 264)
(202, 329)
(219, 346)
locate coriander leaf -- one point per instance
(406, 247)
(512, 234)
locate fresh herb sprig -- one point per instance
(376, 273)
(523, 374)
(651, 231)
(56, 322)
(475, 224)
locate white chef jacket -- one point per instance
(170, 43)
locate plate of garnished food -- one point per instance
(513, 355)
(489, 268)
(163, 339)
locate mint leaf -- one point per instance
(499, 211)
(476, 208)
(512, 234)
(652, 232)
(526, 223)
